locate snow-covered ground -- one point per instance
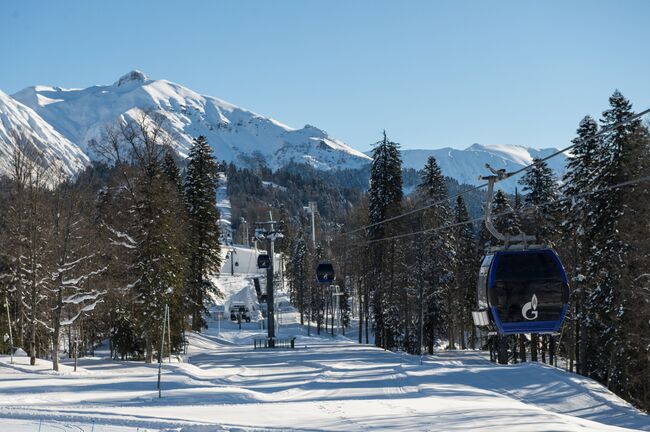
(322, 385)
(325, 384)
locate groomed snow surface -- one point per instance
(325, 384)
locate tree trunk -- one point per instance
(148, 356)
(367, 330)
(534, 341)
(451, 336)
(55, 348)
(491, 345)
(196, 319)
(551, 351)
(472, 338)
(522, 348)
(581, 338)
(463, 345)
(406, 316)
(366, 306)
(57, 324)
(502, 342)
(32, 336)
(360, 316)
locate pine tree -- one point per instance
(140, 218)
(465, 271)
(205, 258)
(385, 193)
(344, 307)
(384, 200)
(439, 254)
(621, 158)
(577, 230)
(608, 249)
(540, 202)
(632, 378)
(506, 220)
(298, 275)
(173, 173)
(158, 260)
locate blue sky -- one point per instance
(431, 73)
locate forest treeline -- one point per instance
(100, 256)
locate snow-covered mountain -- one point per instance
(62, 123)
(20, 125)
(236, 134)
(466, 165)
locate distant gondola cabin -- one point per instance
(263, 261)
(325, 273)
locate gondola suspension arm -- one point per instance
(498, 175)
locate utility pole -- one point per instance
(337, 306)
(311, 208)
(11, 336)
(169, 335)
(233, 252)
(267, 231)
(245, 239)
(312, 212)
(160, 353)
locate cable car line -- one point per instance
(596, 135)
(481, 186)
(481, 218)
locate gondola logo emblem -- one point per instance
(529, 311)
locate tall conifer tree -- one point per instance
(439, 253)
(205, 250)
(384, 200)
(541, 189)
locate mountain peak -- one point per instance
(237, 135)
(134, 75)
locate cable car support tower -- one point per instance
(267, 231)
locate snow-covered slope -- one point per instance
(466, 165)
(20, 123)
(323, 385)
(236, 134)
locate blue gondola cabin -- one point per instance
(522, 291)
